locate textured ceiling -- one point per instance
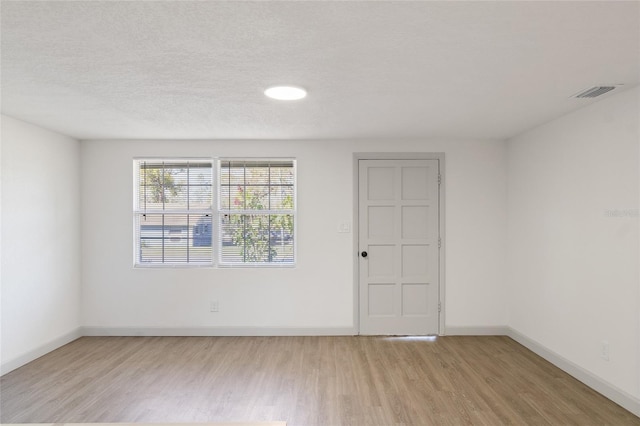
(197, 70)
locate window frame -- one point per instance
(215, 211)
(220, 212)
(138, 211)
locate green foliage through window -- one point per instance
(257, 206)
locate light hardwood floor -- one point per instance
(305, 381)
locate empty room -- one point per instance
(320, 213)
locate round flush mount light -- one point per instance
(285, 93)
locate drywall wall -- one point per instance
(316, 295)
(573, 252)
(40, 241)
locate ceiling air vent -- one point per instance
(594, 92)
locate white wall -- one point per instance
(573, 245)
(40, 241)
(318, 293)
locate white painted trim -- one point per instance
(40, 351)
(357, 156)
(443, 240)
(495, 330)
(217, 331)
(356, 242)
(620, 397)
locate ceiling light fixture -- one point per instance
(286, 93)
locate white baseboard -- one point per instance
(497, 330)
(36, 353)
(217, 331)
(618, 396)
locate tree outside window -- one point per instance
(257, 206)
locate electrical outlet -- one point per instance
(213, 306)
(604, 352)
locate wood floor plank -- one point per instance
(305, 381)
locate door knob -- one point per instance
(364, 254)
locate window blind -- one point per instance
(173, 212)
(257, 211)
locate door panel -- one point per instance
(399, 230)
(381, 221)
(381, 299)
(415, 222)
(383, 265)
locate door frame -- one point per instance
(356, 227)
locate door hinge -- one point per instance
(439, 306)
(439, 178)
(439, 242)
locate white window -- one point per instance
(256, 201)
(173, 212)
(176, 224)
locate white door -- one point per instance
(399, 246)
